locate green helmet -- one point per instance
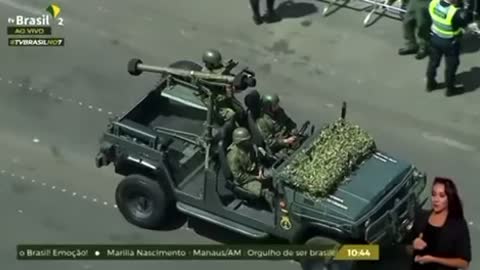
(269, 100)
(212, 59)
(240, 134)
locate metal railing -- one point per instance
(394, 9)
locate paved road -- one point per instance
(55, 103)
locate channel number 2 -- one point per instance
(60, 21)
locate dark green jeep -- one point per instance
(173, 158)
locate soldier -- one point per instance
(246, 170)
(276, 127)
(224, 105)
(271, 15)
(416, 24)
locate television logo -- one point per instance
(43, 20)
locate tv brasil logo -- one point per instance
(44, 20)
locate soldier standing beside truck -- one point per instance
(224, 106)
(416, 26)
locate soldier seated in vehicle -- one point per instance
(225, 104)
(244, 163)
(275, 126)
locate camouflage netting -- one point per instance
(329, 159)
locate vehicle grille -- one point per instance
(385, 220)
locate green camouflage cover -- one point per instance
(329, 159)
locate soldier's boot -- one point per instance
(269, 198)
(271, 15)
(432, 84)
(454, 89)
(410, 49)
(421, 53)
(255, 5)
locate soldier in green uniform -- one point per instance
(416, 29)
(246, 170)
(224, 103)
(276, 127)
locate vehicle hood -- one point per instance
(367, 185)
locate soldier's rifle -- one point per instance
(303, 133)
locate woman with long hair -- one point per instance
(442, 238)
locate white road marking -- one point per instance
(20, 211)
(448, 141)
(36, 140)
(60, 98)
(52, 187)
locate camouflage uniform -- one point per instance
(416, 29)
(275, 126)
(223, 102)
(244, 167)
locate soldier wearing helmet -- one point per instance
(244, 165)
(224, 106)
(212, 59)
(276, 127)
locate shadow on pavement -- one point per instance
(290, 9)
(470, 44)
(470, 79)
(174, 224)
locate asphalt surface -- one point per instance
(55, 102)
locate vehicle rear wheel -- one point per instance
(325, 263)
(143, 202)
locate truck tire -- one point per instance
(143, 202)
(325, 263)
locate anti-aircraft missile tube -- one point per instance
(136, 67)
(240, 81)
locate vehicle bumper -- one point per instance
(396, 223)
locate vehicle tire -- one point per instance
(325, 263)
(143, 202)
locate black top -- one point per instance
(452, 240)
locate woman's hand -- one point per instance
(418, 243)
(424, 259)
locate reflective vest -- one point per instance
(442, 19)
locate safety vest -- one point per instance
(442, 20)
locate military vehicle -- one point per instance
(172, 156)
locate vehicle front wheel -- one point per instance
(325, 263)
(143, 202)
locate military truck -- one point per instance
(173, 158)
